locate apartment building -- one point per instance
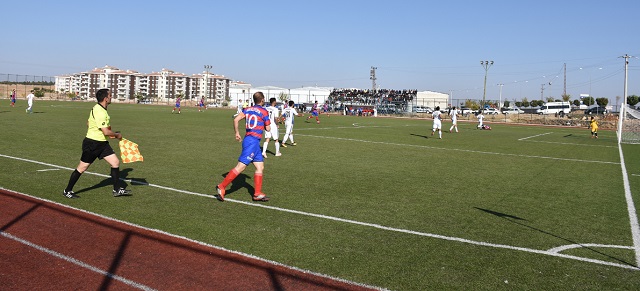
(127, 84)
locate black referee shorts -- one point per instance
(92, 149)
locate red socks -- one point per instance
(229, 178)
(258, 180)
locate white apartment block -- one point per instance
(125, 85)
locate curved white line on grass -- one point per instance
(76, 262)
(576, 246)
(199, 242)
(461, 150)
(631, 209)
(377, 226)
(537, 135)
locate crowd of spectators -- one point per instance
(369, 97)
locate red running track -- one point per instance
(49, 246)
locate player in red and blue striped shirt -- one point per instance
(257, 121)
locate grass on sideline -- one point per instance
(527, 187)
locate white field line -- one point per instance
(575, 246)
(373, 225)
(537, 135)
(633, 215)
(183, 238)
(76, 262)
(574, 144)
(460, 150)
(46, 170)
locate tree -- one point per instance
(506, 103)
(518, 104)
(550, 99)
(576, 103)
(139, 97)
(283, 97)
(633, 100)
(588, 101)
(566, 97)
(525, 102)
(540, 103)
(533, 103)
(602, 102)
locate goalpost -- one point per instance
(628, 125)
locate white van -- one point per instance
(561, 108)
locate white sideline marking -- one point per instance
(76, 262)
(46, 170)
(633, 216)
(461, 150)
(575, 246)
(537, 135)
(377, 226)
(194, 241)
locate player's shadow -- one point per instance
(108, 182)
(516, 220)
(240, 182)
(418, 135)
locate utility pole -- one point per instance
(486, 65)
(565, 81)
(206, 81)
(542, 91)
(373, 81)
(626, 69)
(500, 102)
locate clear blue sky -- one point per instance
(424, 45)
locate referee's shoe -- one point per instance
(121, 192)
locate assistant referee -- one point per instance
(95, 145)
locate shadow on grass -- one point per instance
(241, 181)
(418, 135)
(108, 182)
(514, 219)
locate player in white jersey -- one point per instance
(288, 114)
(454, 119)
(274, 114)
(437, 122)
(480, 119)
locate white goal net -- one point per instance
(629, 125)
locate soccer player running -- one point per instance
(437, 122)
(289, 113)
(201, 105)
(257, 121)
(274, 114)
(454, 119)
(314, 112)
(177, 105)
(13, 98)
(593, 124)
(95, 145)
(480, 119)
(30, 102)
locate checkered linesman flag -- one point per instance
(129, 152)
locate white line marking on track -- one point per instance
(198, 242)
(537, 135)
(461, 150)
(631, 209)
(373, 225)
(76, 262)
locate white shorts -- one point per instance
(454, 121)
(273, 133)
(288, 129)
(437, 124)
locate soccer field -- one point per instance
(372, 200)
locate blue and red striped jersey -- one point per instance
(256, 119)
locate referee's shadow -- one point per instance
(240, 182)
(108, 182)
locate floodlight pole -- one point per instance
(500, 102)
(486, 65)
(206, 81)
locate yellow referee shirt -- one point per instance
(98, 118)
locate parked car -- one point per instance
(512, 111)
(491, 111)
(465, 111)
(596, 110)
